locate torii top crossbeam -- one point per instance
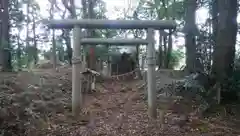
(110, 24)
(112, 41)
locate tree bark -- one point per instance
(169, 51)
(91, 33)
(54, 55)
(213, 25)
(84, 16)
(169, 44)
(190, 52)
(27, 37)
(214, 19)
(138, 74)
(19, 52)
(190, 33)
(6, 51)
(164, 51)
(224, 50)
(66, 35)
(160, 51)
(35, 56)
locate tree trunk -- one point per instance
(108, 62)
(214, 19)
(139, 75)
(6, 51)
(169, 51)
(91, 32)
(19, 65)
(85, 15)
(164, 50)
(67, 39)
(169, 44)
(27, 37)
(224, 50)
(190, 32)
(137, 56)
(137, 34)
(143, 62)
(66, 35)
(190, 52)
(214, 24)
(35, 56)
(160, 51)
(53, 54)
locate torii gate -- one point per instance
(77, 25)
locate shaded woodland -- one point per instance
(199, 61)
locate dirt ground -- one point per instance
(39, 104)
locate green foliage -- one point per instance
(22, 60)
(175, 58)
(18, 20)
(155, 9)
(177, 10)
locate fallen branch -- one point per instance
(87, 70)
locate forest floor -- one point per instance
(38, 103)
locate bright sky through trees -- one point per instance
(121, 5)
(115, 9)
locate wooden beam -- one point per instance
(110, 24)
(112, 41)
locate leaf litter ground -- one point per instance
(32, 107)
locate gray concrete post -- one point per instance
(151, 78)
(76, 75)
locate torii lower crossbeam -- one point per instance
(112, 41)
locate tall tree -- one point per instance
(5, 45)
(137, 34)
(35, 53)
(16, 18)
(190, 31)
(214, 13)
(91, 33)
(70, 6)
(34, 16)
(27, 33)
(19, 64)
(54, 59)
(224, 50)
